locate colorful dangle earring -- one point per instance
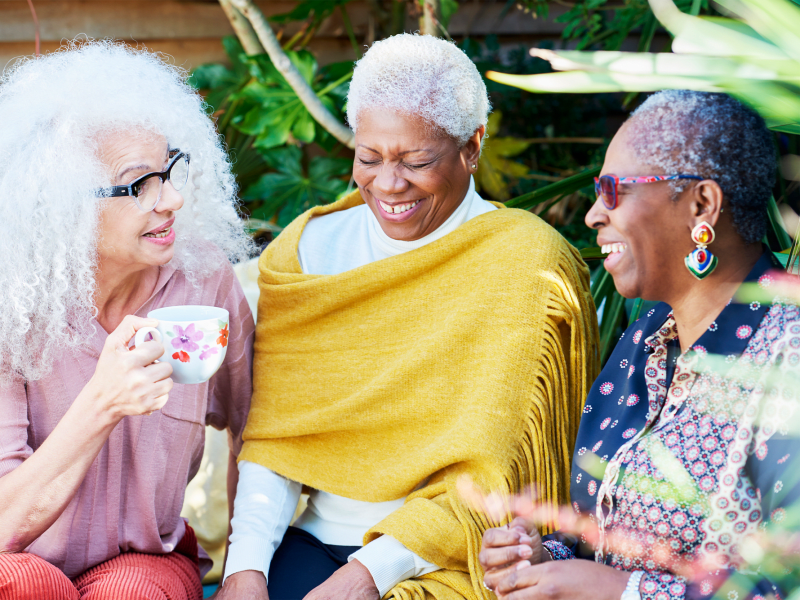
(701, 263)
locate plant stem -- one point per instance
(348, 26)
(309, 34)
(398, 17)
(293, 77)
(230, 110)
(335, 84)
(293, 40)
(695, 10)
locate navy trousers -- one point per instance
(301, 563)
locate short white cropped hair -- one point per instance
(421, 75)
(56, 109)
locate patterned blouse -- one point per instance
(679, 456)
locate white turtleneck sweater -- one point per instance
(265, 501)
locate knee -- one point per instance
(136, 577)
(25, 576)
(122, 582)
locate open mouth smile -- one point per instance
(397, 208)
(613, 248)
(164, 234)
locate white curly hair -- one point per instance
(421, 75)
(56, 109)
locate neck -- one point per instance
(121, 290)
(702, 301)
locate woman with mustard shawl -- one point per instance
(407, 335)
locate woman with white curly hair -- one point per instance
(409, 334)
(117, 199)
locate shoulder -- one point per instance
(524, 238)
(522, 226)
(211, 286)
(282, 253)
(335, 224)
(633, 338)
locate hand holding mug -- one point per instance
(129, 382)
(195, 340)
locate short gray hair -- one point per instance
(421, 75)
(714, 136)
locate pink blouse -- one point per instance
(131, 497)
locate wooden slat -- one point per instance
(188, 53)
(147, 19)
(190, 30)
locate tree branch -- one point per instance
(293, 77)
(242, 29)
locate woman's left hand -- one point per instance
(559, 580)
(352, 582)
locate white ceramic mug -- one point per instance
(195, 340)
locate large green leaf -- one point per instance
(274, 110)
(495, 169)
(777, 236)
(647, 63)
(710, 37)
(288, 192)
(601, 82)
(776, 20)
(739, 40)
(556, 190)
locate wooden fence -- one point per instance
(190, 30)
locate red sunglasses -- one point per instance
(607, 186)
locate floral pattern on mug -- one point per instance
(182, 356)
(208, 351)
(186, 339)
(222, 340)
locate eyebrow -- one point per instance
(399, 153)
(134, 168)
(141, 167)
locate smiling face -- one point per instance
(648, 233)
(129, 238)
(411, 178)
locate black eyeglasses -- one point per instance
(146, 190)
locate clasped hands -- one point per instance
(517, 567)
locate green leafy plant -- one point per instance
(269, 132)
(757, 61)
(295, 187)
(609, 23)
(496, 167)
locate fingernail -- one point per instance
(523, 564)
(525, 551)
(525, 539)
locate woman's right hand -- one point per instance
(128, 381)
(244, 585)
(504, 548)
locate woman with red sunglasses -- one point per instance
(685, 446)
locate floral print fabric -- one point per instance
(689, 451)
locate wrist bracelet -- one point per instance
(557, 550)
(632, 589)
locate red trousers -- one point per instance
(129, 576)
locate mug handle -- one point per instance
(142, 333)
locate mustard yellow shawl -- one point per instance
(472, 354)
